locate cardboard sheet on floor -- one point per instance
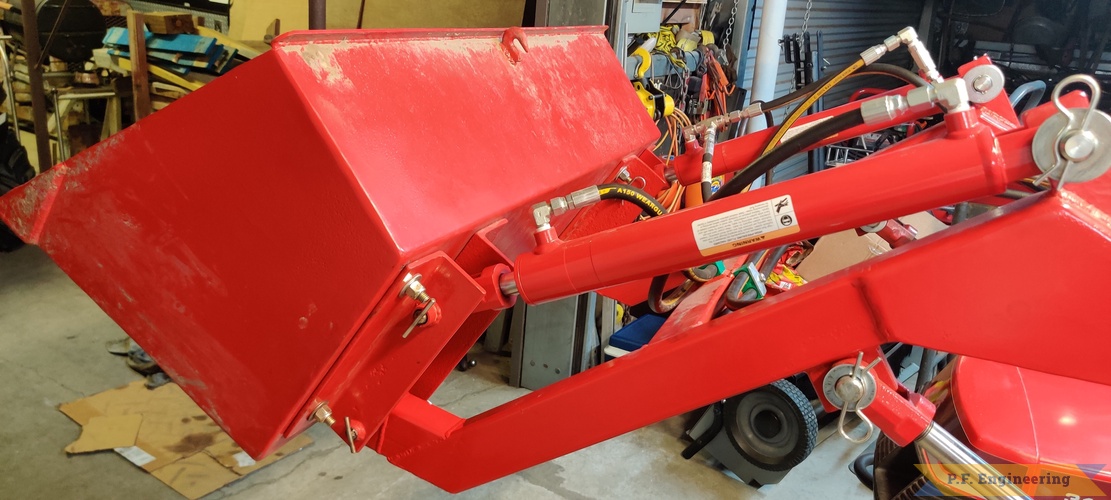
(175, 441)
(107, 433)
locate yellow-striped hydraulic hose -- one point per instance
(801, 109)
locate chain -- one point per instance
(729, 29)
(806, 17)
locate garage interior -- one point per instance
(560, 248)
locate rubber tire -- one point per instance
(796, 432)
(15, 169)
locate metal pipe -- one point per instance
(86, 96)
(34, 71)
(944, 449)
(318, 14)
(766, 68)
(616, 19)
(63, 149)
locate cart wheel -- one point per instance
(773, 427)
(15, 169)
(465, 364)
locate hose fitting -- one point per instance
(920, 54)
(710, 140)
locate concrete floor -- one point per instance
(52, 350)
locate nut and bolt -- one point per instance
(323, 414)
(413, 288)
(623, 175)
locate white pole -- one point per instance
(766, 69)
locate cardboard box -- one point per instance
(837, 251)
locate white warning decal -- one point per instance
(746, 225)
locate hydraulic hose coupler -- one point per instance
(543, 212)
(951, 95)
(920, 54)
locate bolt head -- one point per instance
(982, 84)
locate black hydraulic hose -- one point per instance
(769, 120)
(771, 260)
(893, 71)
(735, 296)
(633, 195)
(701, 274)
(786, 149)
(659, 304)
(874, 69)
(656, 301)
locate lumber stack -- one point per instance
(179, 53)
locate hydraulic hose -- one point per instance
(874, 69)
(662, 305)
(771, 260)
(696, 276)
(893, 71)
(633, 195)
(735, 296)
(809, 101)
(787, 149)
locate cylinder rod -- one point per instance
(944, 449)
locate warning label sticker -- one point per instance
(746, 226)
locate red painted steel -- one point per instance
(896, 297)
(738, 153)
(965, 164)
(267, 279)
(244, 235)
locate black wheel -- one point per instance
(773, 427)
(15, 169)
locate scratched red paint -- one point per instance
(245, 233)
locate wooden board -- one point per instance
(139, 83)
(190, 44)
(217, 61)
(243, 49)
(169, 23)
